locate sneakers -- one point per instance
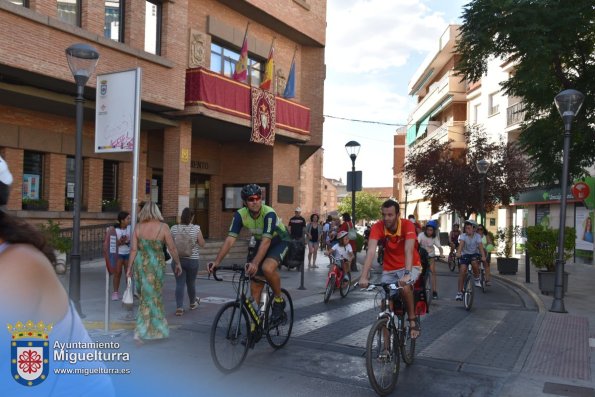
(278, 311)
(478, 282)
(459, 296)
(194, 305)
(115, 296)
(434, 295)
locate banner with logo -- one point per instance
(263, 117)
(116, 111)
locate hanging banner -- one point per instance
(584, 229)
(116, 111)
(263, 117)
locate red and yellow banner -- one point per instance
(263, 117)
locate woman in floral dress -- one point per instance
(148, 263)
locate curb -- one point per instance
(528, 291)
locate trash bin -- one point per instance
(295, 255)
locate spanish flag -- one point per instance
(268, 72)
(241, 70)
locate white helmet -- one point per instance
(342, 234)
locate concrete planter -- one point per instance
(547, 282)
(507, 265)
(61, 260)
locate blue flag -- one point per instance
(290, 86)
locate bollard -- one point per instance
(527, 267)
(302, 277)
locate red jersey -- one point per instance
(394, 246)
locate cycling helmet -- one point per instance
(433, 224)
(251, 190)
(342, 234)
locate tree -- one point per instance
(367, 206)
(449, 176)
(552, 45)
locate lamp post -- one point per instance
(407, 190)
(82, 60)
(482, 168)
(569, 103)
(352, 148)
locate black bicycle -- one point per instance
(388, 339)
(239, 324)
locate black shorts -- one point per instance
(277, 252)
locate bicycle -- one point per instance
(335, 279)
(387, 340)
(239, 325)
(452, 259)
(469, 282)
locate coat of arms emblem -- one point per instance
(29, 352)
(103, 87)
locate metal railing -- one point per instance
(91, 240)
(515, 114)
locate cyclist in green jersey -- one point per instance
(272, 240)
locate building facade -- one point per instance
(195, 147)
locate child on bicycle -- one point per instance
(342, 252)
(470, 251)
(428, 240)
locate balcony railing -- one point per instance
(515, 114)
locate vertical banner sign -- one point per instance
(263, 117)
(116, 111)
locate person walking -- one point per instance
(313, 232)
(123, 246)
(189, 236)
(148, 263)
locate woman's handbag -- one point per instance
(128, 297)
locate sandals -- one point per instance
(179, 311)
(415, 327)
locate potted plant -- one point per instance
(504, 239)
(61, 244)
(110, 205)
(34, 204)
(542, 247)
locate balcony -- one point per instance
(438, 92)
(216, 96)
(515, 114)
(452, 130)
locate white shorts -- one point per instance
(393, 276)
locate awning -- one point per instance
(443, 104)
(410, 137)
(423, 126)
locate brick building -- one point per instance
(194, 146)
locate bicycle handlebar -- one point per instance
(234, 268)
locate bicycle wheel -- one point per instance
(407, 344)
(378, 300)
(345, 286)
(452, 263)
(279, 334)
(428, 287)
(230, 337)
(382, 358)
(330, 286)
(468, 290)
(482, 279)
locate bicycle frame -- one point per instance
(337, 270)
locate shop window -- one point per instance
(33, 182)
(113, 27)
(69, 11)
(542, 215)
(223, 60)
(232, 196)
(109, 196)
(153, 12)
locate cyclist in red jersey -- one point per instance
(401, 259)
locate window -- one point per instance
(113, 27)
(70, 181)
(24, 3)
(109, 195)
(69, 11)
(492, 105)
(153, 10)
(32, 175)
(476, 109)
(233, 197)
(223, 60)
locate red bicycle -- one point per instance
(337, 279)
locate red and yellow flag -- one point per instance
(241, 70)
(269, 69)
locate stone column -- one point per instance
(177, 143)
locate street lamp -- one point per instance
(406, 194)
(82, 60)
(482, 168)
(352, 148)
(569, 103)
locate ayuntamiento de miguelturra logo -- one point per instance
(29, 352)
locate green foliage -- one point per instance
(34, 204)
(506, 235)
(367, 206)
(51, 230)
(551, 44)
(449, 177)
(110, 205)
(542, 244)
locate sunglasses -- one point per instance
(252, 199)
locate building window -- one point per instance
(33, 182)
(113, 27)
(223, 60)
(476, 109)
(109, 195)
(69, 11)
(233, 198)
(153, 12)
(70, 181)
(24, 3)
(492, 105)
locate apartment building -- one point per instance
(195, 147)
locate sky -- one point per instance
(373, 48)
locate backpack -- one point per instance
(184, 242)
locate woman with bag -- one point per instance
(148, 263)
(187, 238)
(313, 232)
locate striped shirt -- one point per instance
(193, 231)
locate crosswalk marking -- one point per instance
(316, 321)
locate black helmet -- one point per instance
(251, 190)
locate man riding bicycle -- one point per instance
(470, 251)
(401, 259)
(272, 240)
